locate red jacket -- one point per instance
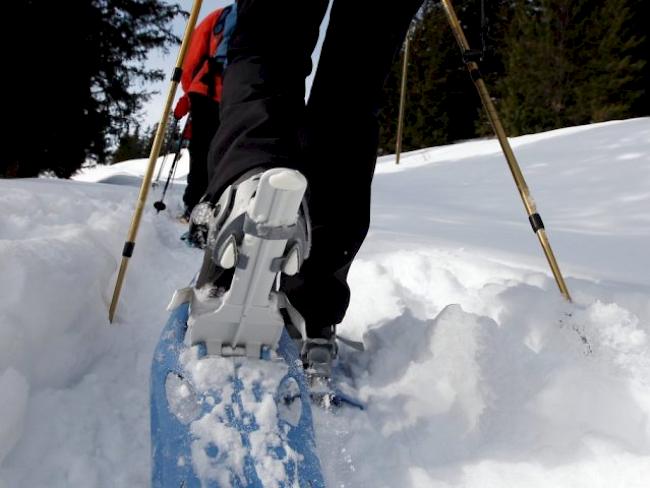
(196, 66)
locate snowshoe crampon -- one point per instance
(230, 405)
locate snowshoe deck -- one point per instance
(229, 421)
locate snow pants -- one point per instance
(204, 113)
(332, 139)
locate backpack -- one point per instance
(218, 59)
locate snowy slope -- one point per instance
(476, 373)
(131, 172)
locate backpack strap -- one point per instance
(225, 26)
(219, 59)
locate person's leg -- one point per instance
(205, 122)
(342, 135)
(262, 108)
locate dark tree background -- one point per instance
(570, 62)
(76, 71)
(136, 143)
(547, 63)
(132, 145)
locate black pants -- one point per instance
(204, 113)
(332, 141)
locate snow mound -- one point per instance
(476, 373)
(482, 378)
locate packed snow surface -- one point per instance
(476, 372)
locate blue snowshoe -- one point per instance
(230, 405)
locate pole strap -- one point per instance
(536, 222)
(177, 75)
(127, 252)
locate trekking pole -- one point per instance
(167, 151)
(154, 184)
(402, 99)
(129, 244)
(160, 204)
(471, 58)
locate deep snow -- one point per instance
(477, 373)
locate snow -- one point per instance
(216, 447)
(15, 391)
(476, 372)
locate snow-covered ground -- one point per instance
(476, 373)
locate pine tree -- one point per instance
(639, 13)
(442, 105)
(77, 73)
(170, 141)
(535, 89)
(131, 146)
(569, 62)
(607, 67)
(547, 64)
